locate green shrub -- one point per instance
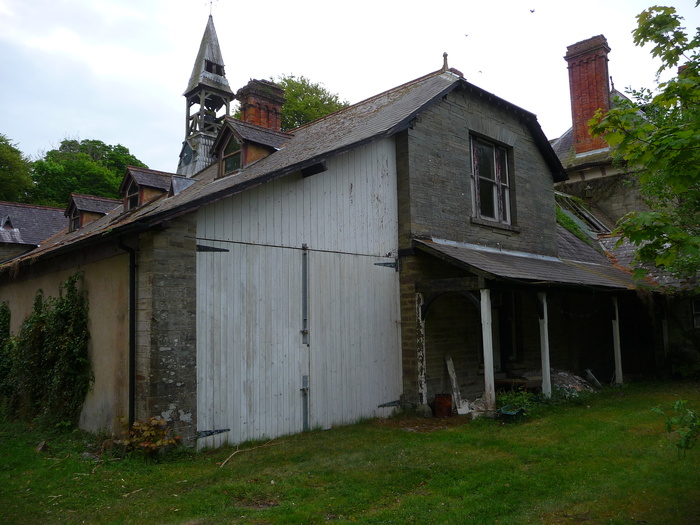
(684, 422)
(45, 370)
(519, 398)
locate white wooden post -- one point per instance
(489, 384)
(616, 342)
(421, 358)
(544, 347)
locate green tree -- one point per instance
(656, 136)
(88, 166)
(306, 101)
(15, 181)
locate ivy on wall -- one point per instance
(45, 370)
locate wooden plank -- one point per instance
(455, 284)
(456, 394)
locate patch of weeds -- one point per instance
(149, 437)
(519, 398)
(684, 422)
(536, 404)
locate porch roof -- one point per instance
(527, 268)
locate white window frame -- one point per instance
(495, 177)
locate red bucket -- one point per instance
(443, 405)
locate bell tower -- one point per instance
(208, 97)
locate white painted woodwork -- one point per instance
(544, 347)
(487, 337)
(616, 342)
(250, 355)
(421, 355)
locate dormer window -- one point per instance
(84, 209)
(231, 156)
(141, 186)
(132, 195)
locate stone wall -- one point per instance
(166, 378)
(434, 196)
(615, 195)
(439, 187)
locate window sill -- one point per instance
(495, 224)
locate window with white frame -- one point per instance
(491, 183)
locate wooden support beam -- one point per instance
(457, 284)
(544, 346)
(487, 337)
(616, 342)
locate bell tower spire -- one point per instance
(208, 97)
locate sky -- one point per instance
(115, 70)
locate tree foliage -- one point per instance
(306, 101)
(87, 166)
(14, 172)
(656, 135)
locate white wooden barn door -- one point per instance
(250, 354)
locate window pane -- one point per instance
(232, 162)
(232, 146)
(502, 166)
(484, 160)
(487, 196)
(505, 204)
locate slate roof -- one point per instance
(624, 256)
(30, 224)
(373, 119)
(572, 248)
(380, 116)
(146, 177)
(530, 269)
(91, 203)
(253, 133)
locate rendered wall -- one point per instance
(107, 284)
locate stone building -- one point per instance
(402, 247)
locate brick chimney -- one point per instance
(590, 88)
(261, 103)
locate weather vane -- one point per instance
(211, 6)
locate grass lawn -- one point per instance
(608, 460)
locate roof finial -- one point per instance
(444, 61)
